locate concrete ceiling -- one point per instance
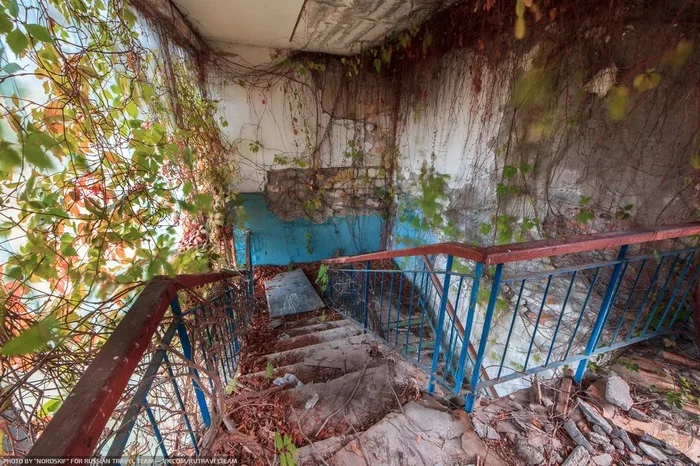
(332, 26)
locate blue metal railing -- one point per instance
(561, 309)
(175, 391)
(398, 306)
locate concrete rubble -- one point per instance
(617, 392)
(607, 421)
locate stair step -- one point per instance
(373, 397)
(298, 330)
(424, 345)
(343, 355)
(314, 338)
(391, 440)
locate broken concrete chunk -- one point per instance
(484, 430)
(593, 416)
(653, 452)
(577, 436)
(578, 457)
(598, 430)
(603, 460)
(634, 413)
(311, 402)
(617, 392)
(618, 444)
(531, 455)
(626, 440)
(515, 406)
(598, 439)
(288, 379)
(507, 427)
(636, 459)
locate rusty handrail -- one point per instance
(515, 252)
(77, 426)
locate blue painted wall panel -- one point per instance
(278, 242)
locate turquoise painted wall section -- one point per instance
(278, 242)
(405, 235)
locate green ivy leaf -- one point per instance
(585, 216)
(278, 441)
(519, 28)
(5, 23)
(39, 32)
(13, 8)
(50, 407)
(509, 171)
(203, 201)
(12, 68)
(31, 339)
(36, 156)
(9, 157)
(17, 41)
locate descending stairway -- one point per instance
(360, 402)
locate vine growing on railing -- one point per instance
(102, 158)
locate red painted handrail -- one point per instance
(515, 252)
(76, 428)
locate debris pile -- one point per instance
(618, 418)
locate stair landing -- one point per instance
(291, 293)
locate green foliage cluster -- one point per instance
(285, 449)
(424, 208)
(101, 144)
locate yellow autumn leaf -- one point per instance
(520, 28)
(618, 103)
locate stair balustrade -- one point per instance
(521, 308)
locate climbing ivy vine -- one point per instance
(106, 144)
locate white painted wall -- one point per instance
(287, 117)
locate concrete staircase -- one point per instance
(361, 402)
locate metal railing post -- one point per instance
(187, 351)
(249, 264)
(473, 385)
(466, 341)
(140, 399)
(366, 310)
(605, 307)
(441, 323)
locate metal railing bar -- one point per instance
(561, 316)
(537, 322)
(116, 448)
(646, 296)
(629, 299)
(157, 433)
(181, 403)
(583, 311)
(512, 324)
(516, 252)
(689, 260)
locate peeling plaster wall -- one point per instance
(472, 134)
(463, 132)
(318, 148)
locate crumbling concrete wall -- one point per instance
(637, 171)
(335, 192)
